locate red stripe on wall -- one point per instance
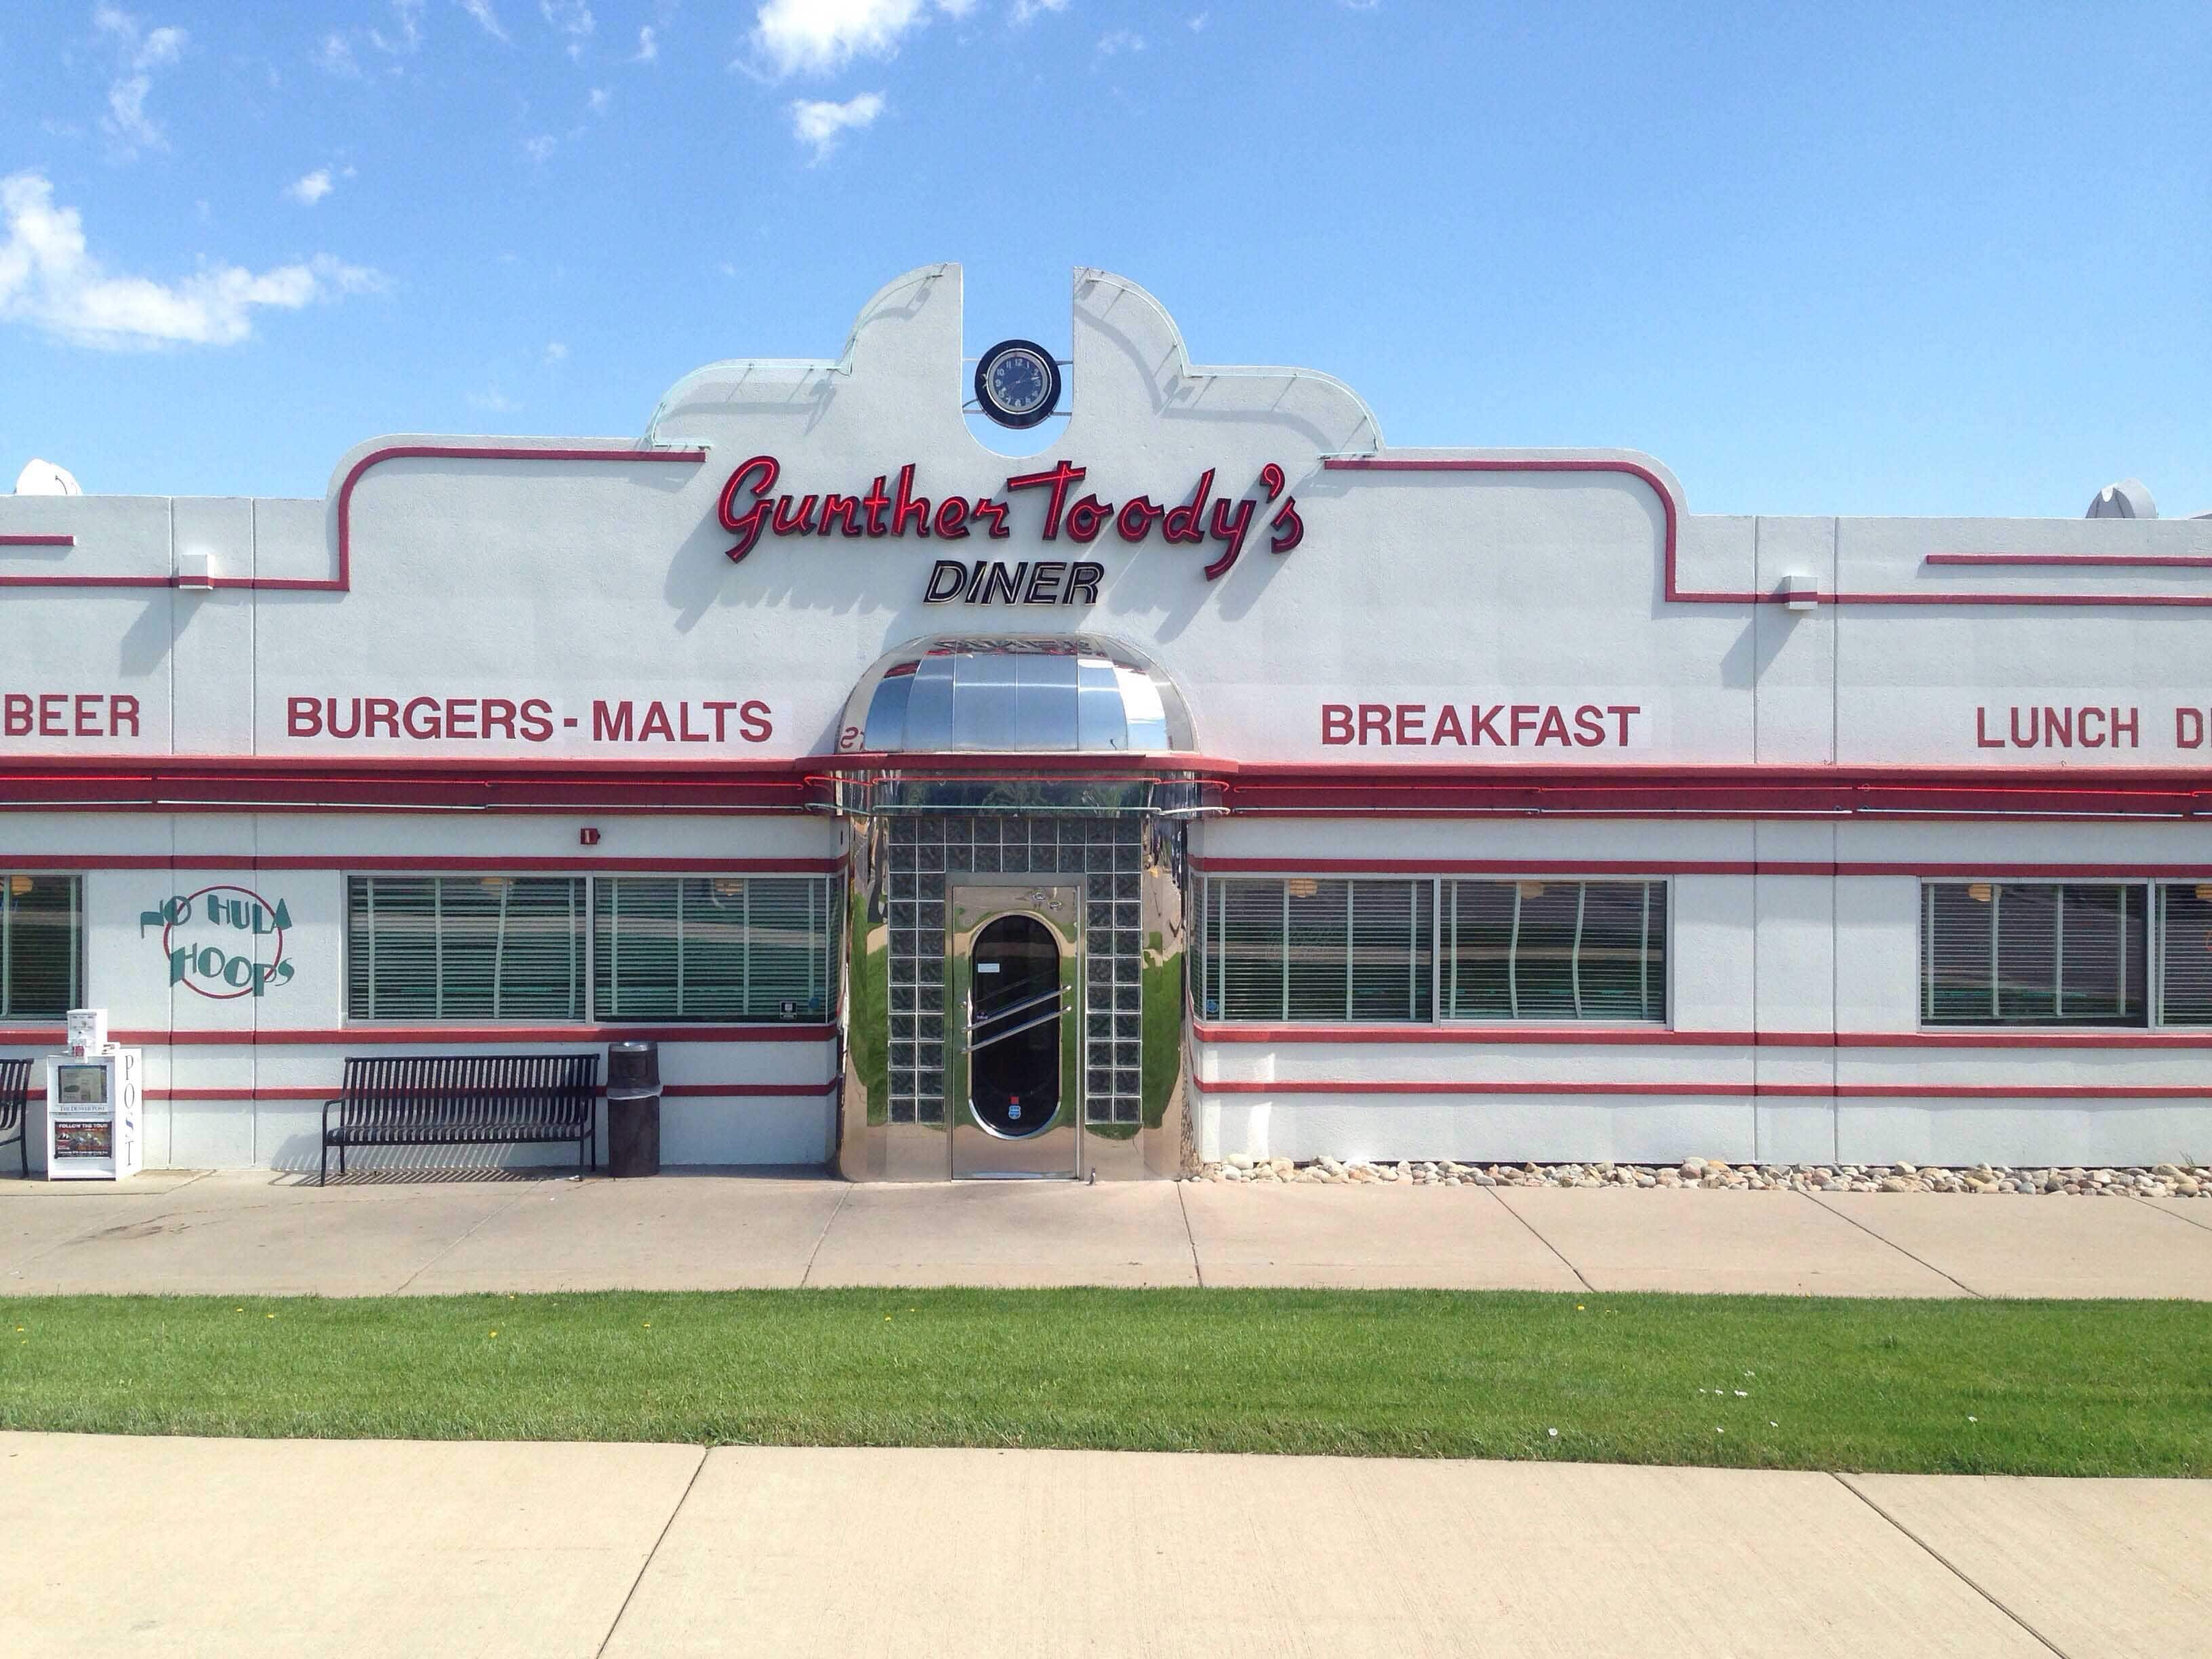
(240, 783)
(1658, 1036)
(2077, 561)
(1805, 1090)
(369, 864)
(1520, 867)
(1675, 593)
(372, 864)
(433, 1035)
(343, 582)
(673, 1090)
(1536, 870)
(1669, 541)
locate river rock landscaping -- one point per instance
(1712, 1175)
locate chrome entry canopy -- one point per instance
(1032, 694)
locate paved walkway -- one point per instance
(363, 1548)
(248, 1232)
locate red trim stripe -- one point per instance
(1532, 870)
(1676, 594)
(38, 541)
(1742, 1091)
(369, 864)
(343, 582)
(1656, 1036)
(471, 452)
(1419, 789)
(672, 1091)
(374, 865)
(2077, 561)
(433, 1036)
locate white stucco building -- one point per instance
(1219, 778)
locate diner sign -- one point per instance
(893, 507)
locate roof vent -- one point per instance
(45, 478)
(2128, 498)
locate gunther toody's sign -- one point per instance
(896, 506)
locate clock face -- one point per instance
(1018, 383)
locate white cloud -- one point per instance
(487, 19)
(821, 124)
(1025, 10)
(598, 100)
(409, 14)
(571, 18)
(310, 190)
(1198, 23)
(138, 52)
(648, 45)
(50, 281)
(819, 36)
(335, 57)
(493, 399)
(556, 352)
(1119, 40)
(540, 148)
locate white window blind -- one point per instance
(464, 947)
(713, 947)
(1307, 948)
(2185, 992)
(1555, 950)
(41, 945)
(2033, 953)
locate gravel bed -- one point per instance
(2159, 1180)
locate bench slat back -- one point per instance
(15, 1088)
(399, 1091)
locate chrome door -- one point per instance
(1012, 1063)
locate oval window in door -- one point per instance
(1014, 1027)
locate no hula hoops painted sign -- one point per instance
(200, 937)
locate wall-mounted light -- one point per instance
(2205, 892)
(1800, 592)
(1302, 886)
(1529, 890)
(19, 885)
(1980, 891)
(196, 571)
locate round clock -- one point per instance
(1018, 383)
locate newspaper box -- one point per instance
(94, 1105)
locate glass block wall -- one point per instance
(1108, 856)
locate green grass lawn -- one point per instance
(2019, 1387)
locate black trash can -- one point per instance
(632, 1108)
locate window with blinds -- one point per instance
(2185, 983)
(465, 947)
(2042, 953)
(41, 945)
(712, 947)
(1308, 948)
(1555, 950)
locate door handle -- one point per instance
(975, 1020)
(976, 1043)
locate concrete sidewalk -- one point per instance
(251, 1232)
(363, 1548)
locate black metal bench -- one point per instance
(15, 1109)
(464, 1100)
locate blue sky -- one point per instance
(1852, 258)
